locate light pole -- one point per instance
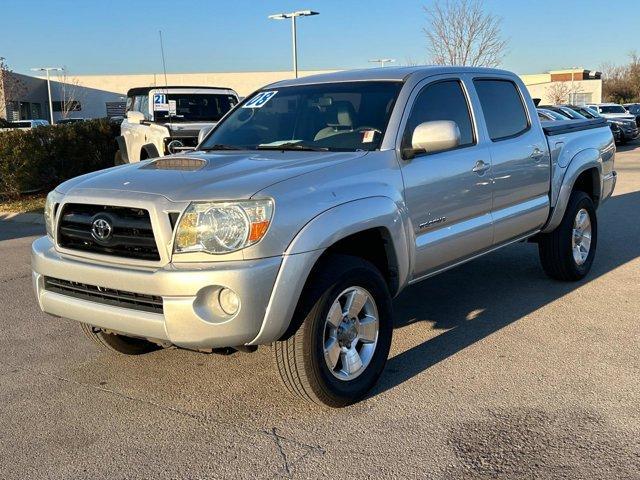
(48, 69)
(382, 61)
(293, 16)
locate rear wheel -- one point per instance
(118, 343)
(340, 350)
(567, 253)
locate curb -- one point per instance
(32, 218)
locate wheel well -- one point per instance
(374, 245)
(144, 154)
(589, 183)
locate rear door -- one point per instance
(448, 193)
(519, 157)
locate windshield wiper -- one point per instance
(292, 146)
(221, 146)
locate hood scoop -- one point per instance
(184, 164)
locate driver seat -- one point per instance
(341, 115)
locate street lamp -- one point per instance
(382, 61)
(293, 16)
(48, 69)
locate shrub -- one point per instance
(43, 157)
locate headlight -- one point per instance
(222, 227)
(53, 199)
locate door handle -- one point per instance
(480, 167)
(537, 154)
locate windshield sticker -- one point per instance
(160, 102)
(172, 107)
(367, 136)
(260, 100)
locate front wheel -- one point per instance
(567, 253)
(340, 350)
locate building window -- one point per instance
(72, 106)
(581, 98)
(36, 110)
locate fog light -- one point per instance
(229, 301)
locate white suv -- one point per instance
(622, 122)
(165, 120)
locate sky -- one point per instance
(116, 36)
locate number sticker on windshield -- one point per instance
(260, 99)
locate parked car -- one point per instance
(24, 124)
(64, 121)
(586, 112)
(309, 206)
(590, 113)
(634, 109)
(562, 110)
(165, 120)
(619, 116)
(546, 115)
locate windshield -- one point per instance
(192, 107)
(344, 116)
(612, 109)
(592, 111)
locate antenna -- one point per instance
(164, 65)
(166, 84)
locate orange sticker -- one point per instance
(367, 136)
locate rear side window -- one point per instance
(503, 109)
(442, 101)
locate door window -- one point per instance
(441, 101)
(503, 109)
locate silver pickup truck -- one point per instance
(312, 204)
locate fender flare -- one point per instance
(584, 160)
(122, 146)
(151, 149)
(314, 238)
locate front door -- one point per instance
(448, 193)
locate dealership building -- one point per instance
(94, 96)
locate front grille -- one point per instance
(127, 231)
(106, 296)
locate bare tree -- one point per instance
(621, 83)
(11, 88)
(71, 94)
(561, 92)
(460, 32)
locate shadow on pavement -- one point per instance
(481, 297)
(11, 230)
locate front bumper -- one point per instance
(188, 291)
(629, 133)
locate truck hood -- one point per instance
(618, 116)
(204, 176)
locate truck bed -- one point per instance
(567, 126)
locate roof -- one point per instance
(145, 90)
(389, 74)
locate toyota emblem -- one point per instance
(101, 229)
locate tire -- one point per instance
(300, 358)
(557, 248)
(118, 343)
(118, 160)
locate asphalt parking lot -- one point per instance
(496, 371)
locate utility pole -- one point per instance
(48, 69)
(293, 16)
(382, 61)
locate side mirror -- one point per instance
(203, 133)
(134, 116)
(435, 136)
